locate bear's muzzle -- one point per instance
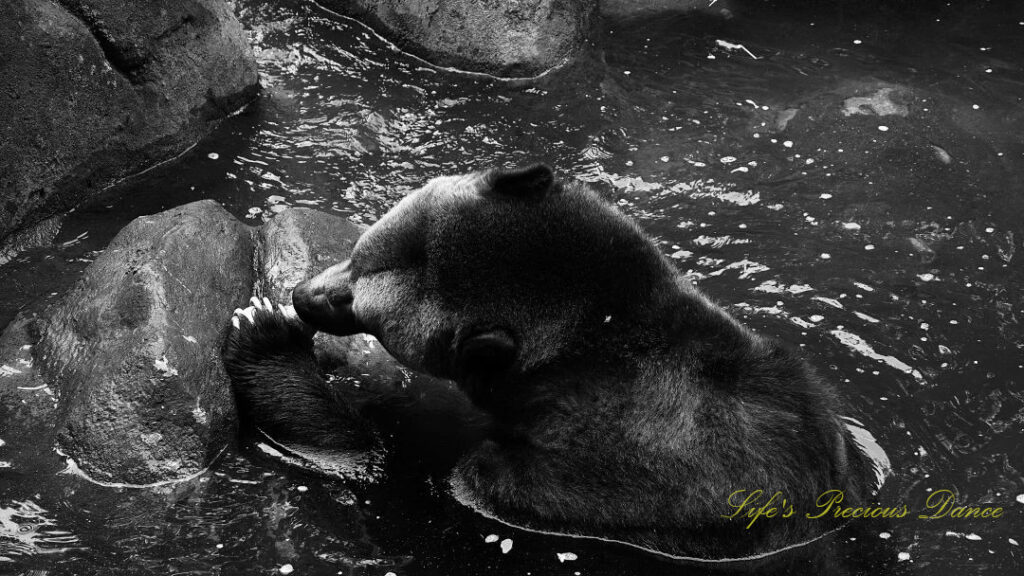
(325, 302)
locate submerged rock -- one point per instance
(94, 90)
(27, 404)
(888, 101)
(133, 351)
(522, 38)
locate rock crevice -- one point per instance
(95, 90)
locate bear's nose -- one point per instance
(325, 301)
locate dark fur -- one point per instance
(624, 404)
(279, 388)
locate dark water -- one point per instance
(884, 245)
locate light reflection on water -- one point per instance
(889, 255)
(27, 530)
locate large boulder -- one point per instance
(93, 90)
(521, 38)
(133, 351)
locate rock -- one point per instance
(28, 407)
(35, 236)
(888, 101)
(94, 90)
(522, 38)
(133, 351)
(300, 243)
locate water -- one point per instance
(885, 246)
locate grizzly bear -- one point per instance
(609, 398)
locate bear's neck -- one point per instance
(675, 324)
(678, 338)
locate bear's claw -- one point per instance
(264, 305)
(269, 330)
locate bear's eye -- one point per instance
(359, 267)
(404, 255)
(367, 267)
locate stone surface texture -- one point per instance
(515, 38)
(133, 351)
(94, 90)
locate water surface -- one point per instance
(884, 243)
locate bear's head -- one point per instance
(491, 275)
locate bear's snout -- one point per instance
(325, 302)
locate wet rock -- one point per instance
(922, 249)
(888, 101)
(133, 351)
(125, 368)
(300, 243)
(94, 90)
(904, 140)
(941, 155)
(27, 404)
(36, 236)
(522, 38)
(783, 117)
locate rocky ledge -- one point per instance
(94, 90)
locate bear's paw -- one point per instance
(263, 330)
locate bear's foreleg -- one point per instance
(278, 388)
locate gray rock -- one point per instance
(36, 236)
(94, 90)
(522, 38)
(133, 351)
(28, 406)
(125, 368)
(886, 101)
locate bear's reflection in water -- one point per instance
(598, 393)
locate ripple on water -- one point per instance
(746, 171)
(27, 529)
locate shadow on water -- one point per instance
(844, 176)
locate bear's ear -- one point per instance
(485, 353)
(533, 182)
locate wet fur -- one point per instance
(280, 389)
(632, 406)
